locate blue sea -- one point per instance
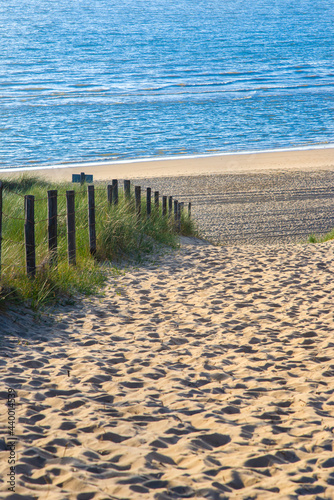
(105, 80)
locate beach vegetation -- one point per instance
(122, 236)
(322, 238)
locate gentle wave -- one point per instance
(168, 90)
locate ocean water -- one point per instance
(104, 80)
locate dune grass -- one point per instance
(121, 235)
(321, 239)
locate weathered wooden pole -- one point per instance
(1, 187)
(91, 220)
(170, 205)
(127, 187)
(29, 233)
(52, 227)
(70, 205)
(189, 209)
(179, 214)
(156, 200)
(82, 178)
(109, 193)
(164, 206)
(138, 199)
(148, 201)
(176, 207)
(115, 191)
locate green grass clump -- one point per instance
(51, 285)
(121, 234)
(321, 239)
(124, 235)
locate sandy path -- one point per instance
(207, 374)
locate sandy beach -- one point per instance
(205, 373)
(208, 373)
(305, 160)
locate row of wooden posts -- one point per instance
(170, 208)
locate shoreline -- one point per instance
(222, 163)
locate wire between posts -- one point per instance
(11, 266)
(17, 194)
(12, 241)
(13, 218)
(100, 208)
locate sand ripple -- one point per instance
(207, 374)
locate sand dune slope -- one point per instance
(208, 374)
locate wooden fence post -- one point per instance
(127, 190)
(1, 187)
(138, 199)
(70, 204)
(148, 201)
(189, 210)
(164, 206)
(91, 220)
(179, 213)
(29, 233)
(109, 193)
(52, 227)
(115, 191)
(156, 200)
(82, 178)
(176, 206)
(170, 205)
